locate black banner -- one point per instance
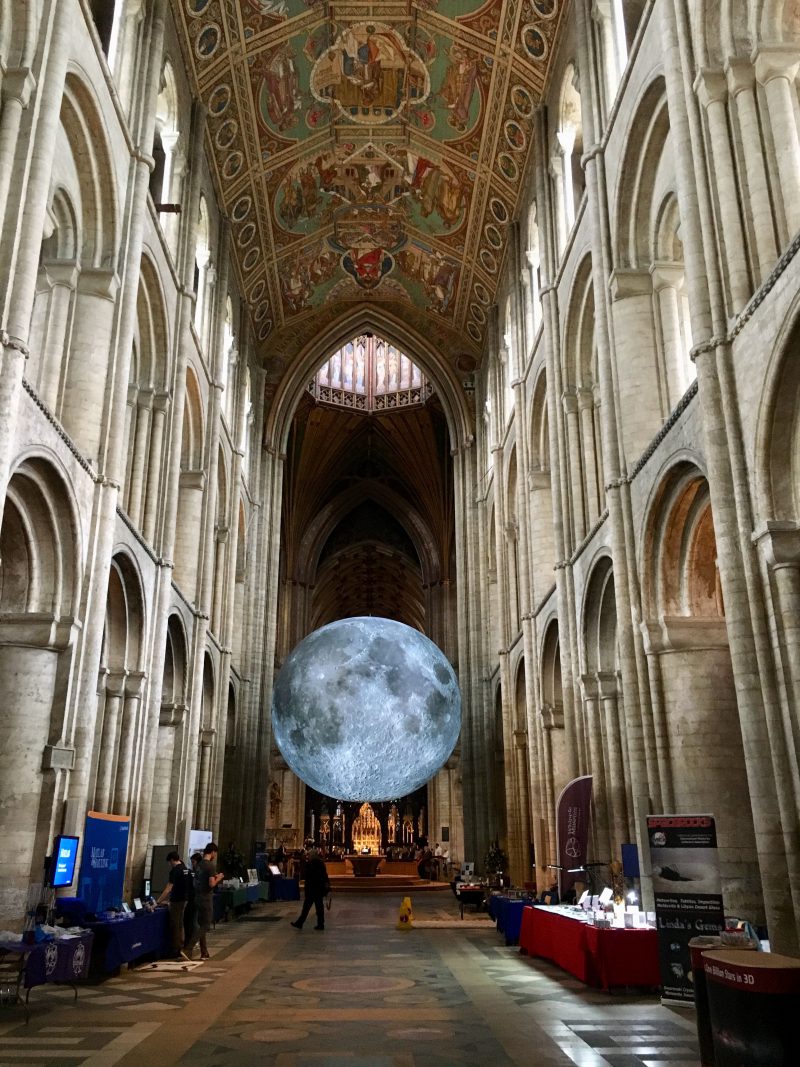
(688, 893)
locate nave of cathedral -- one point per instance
(481, 317)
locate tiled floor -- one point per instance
(359, 994)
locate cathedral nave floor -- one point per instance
(359, 994)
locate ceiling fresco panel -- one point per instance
(369, 151)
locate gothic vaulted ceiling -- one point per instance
(369, 151)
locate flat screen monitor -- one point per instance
(147, 890)
(62, 863)
(274, 870)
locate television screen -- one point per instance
(62, 864)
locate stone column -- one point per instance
(221, 539)
(741, 86)
(570, 402)
(667, 282)
(189, 532)
(776, 70)
(586, 417)
(712, 91)
(114, 694)
(597, 768)
(16, 92)
(155, 458)
(618, 821)
(140, 468)
(55, 334)
(31, 647)
(129, 732)
(202, 800)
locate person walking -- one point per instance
(176, 894)
(205, 881)
(317, 887)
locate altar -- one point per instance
(365, 866)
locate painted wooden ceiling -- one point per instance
(369, 151)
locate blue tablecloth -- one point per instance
(60, 960)
(123, 940)
(284, 889)
(507, 914)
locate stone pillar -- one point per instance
(140, 467)
(129, 733)
(221, 539)
(16, 92)
(113, 691)
(607, 684)
(667, 282)
(776, 69)
(155, 458)
(570, 401)
(712, 91)
(588, 450)
(741, 86)
(30, 657)
(51, 329)
(202, 800)
(189, 532)
(597, 768)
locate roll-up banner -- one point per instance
(573, 813)
(688, 893)
(105, 849)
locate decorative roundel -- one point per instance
(477, 313)
(482, 294)
(522, 101)
(196, 7)
(546, 9)
(265, 330)
(246, 235)
(533, 42)
(232, 165)
(499, 210)
(508, 167)
(515, 136)
(257, 291)
(488, 260)
(493, 236)
(207, 41)
(474, 332)
(261, 311)
(250, 259)
(219, 100)
(466, 363)
(241, 209)
(226, 134)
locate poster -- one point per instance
(688, 893)
(573, 812)
(105, 849)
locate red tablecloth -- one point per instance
(601, 958)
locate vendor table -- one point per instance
(120, 941)
(62, 960)
(470, 894)
(600, 958)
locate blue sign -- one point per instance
(65, 853)
(105, 848)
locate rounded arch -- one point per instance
(680, 572)
(350, 324)
(123, 640)
(550, 674)
(39, 543)
(599, 627)
(174, 686)
(539, 441)
(193, 431)
(152, 327)
(777, 437)
(645, 144)
(86, 132)
(579, 345)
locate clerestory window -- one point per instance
(370, 374)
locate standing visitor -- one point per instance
(205, 881)
(176, 892)
(317, 888)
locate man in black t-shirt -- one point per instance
(206, 879)
(177, 890)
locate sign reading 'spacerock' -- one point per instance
(688, 893)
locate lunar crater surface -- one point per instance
(366, 709)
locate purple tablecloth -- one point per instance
(61, 960)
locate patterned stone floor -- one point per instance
(359, 994)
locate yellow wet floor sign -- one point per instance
(405, 920)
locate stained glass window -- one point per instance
(370, 374)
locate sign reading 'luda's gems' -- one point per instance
(366, 709)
